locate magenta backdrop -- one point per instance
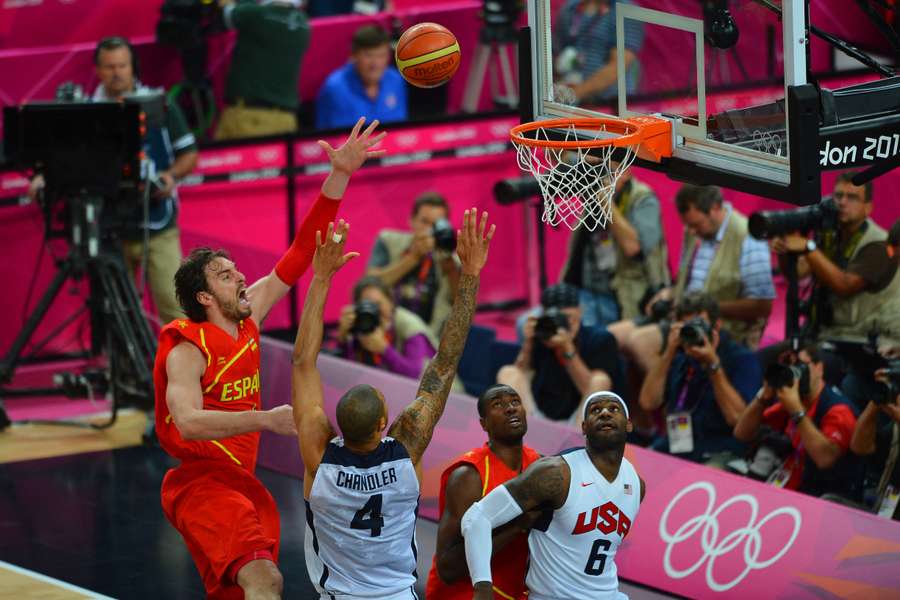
(700, 533)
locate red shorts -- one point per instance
(227, 518)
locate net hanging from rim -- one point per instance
(577, 162)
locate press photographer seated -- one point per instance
(816, 418)
(703, 381)
(375, 332)
(877, 438)
(561, 361)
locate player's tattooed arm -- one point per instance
(544, 484)
(415, 425)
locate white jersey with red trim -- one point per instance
(573, 556)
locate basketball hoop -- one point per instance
(577, 162)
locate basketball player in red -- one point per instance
(206, 378)
(472, 476)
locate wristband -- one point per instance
(299, 256)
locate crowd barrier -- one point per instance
(700, 533)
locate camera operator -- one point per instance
(719, 258)
(615, 267)
(704, 379)
(261, 89)
(375, 332)
(817, 418)
(420, 265)
(877, 436)
(585, 33)
(562, 361)
(173, 153)
(844, 263)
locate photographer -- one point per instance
(704, 379)
(172, 151)
(877, 436)
(616, 267)
(420, 265)
(561, 361)
(375, 332)
(843, 262)
(818, 419)
(261, 89)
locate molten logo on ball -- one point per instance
(427, 55)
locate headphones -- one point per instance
(116, 41)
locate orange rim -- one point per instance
(652, 133)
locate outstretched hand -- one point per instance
(472, 244)
(330, 257)
(351, 155)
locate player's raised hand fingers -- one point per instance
(490, 234)
(329, 234)
(348, 257)
(473, 223)
(354, 133)
(329, 150)
(365, 135)
(482, 227)
(319, 243)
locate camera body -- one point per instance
(367, 317)
(661, 309)
(774, 446)
(891, 389)
(444, 235)
(767, 224)
(781, 374)
(550, 320)
(695, 331)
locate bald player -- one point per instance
(594, 494)
(362, 488)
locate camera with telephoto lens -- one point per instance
(774, 446)
(782, 374)
(367, 317)
(444, 235)
(890, 389)
(695, 331)
(767, 224)
(549, 321)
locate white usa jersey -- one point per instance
(573, 556)
(361, 522)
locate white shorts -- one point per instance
(408, 594)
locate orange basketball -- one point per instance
(427, 55)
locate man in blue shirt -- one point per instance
(704, 382)
(366, 86)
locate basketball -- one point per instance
(427, 55)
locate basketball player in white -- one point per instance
(362, 489)
(594, 494)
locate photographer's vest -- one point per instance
(633, 276)
(854, 316)
(723, 280)
(397, 243)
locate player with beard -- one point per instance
(466, 481)
(208, 407)
(591, 500)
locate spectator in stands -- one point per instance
(366, 86)
(819, 424)
(423, 277)
(703, 381)
(718, 257)
(877, 437)
(328, 8)
(261, 90)
(615, 267)
(562, 361)
(845, 263)
(172, 151)
(375, 332)
(586, 59)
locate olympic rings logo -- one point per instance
(713, 548)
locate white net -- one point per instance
(577, 184)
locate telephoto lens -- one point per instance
(368, 317)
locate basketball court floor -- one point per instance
(84, 519)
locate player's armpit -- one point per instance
(543, 484)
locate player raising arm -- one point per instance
(362, 489)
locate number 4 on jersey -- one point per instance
(374, 522)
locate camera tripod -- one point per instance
(118, 327)
(494, 47)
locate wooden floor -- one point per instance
(23, 584)
(25, 441)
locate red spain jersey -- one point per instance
(230, 383)
(509, 565)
